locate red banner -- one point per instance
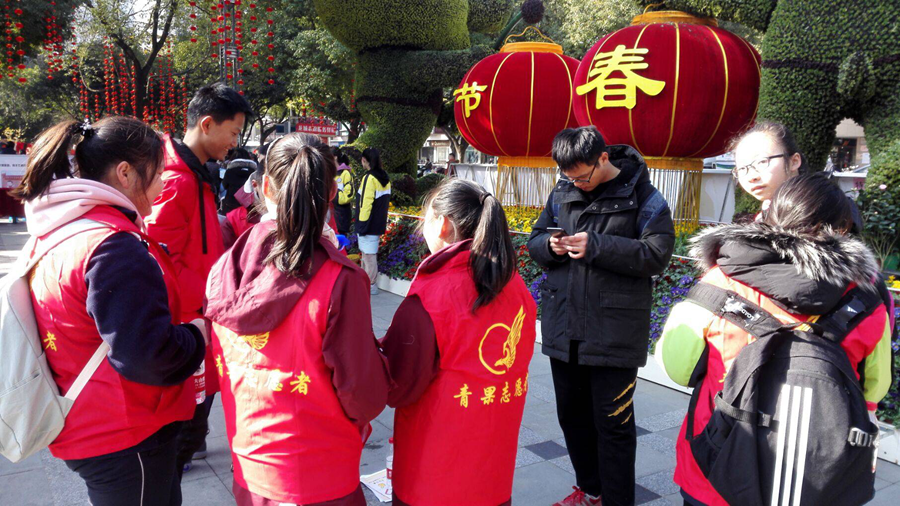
(317, 128)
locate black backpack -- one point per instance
(791, 425)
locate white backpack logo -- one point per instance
(32, 413)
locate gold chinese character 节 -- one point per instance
(470, 96)
(488, 395)
(519, 391)
(272, 382)
(301, 384)
(505, 396)
(619, 92)
(219, 366)
(50, 342)
(463, 396)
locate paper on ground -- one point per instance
(379, 485)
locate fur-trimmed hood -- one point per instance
(804, 273)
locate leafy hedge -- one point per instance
(407, 52)
(824, 61)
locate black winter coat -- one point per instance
(604, 299)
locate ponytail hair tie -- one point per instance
(86, 130)
(484, 197)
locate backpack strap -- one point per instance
(56, 238)
(854, 307)
(731, 306)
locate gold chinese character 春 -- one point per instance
(301, 384)
(505, 396)
(50, 342)
(470, 96)
(488, 395)
(619, 92)
(463, 396)
(519, 391)
(219, 366)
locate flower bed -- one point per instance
(403, 248)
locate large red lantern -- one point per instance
(671, 85)
(511, 104)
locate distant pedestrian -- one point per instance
(372, 211)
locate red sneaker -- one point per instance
(578, 498)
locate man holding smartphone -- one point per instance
(602, 236)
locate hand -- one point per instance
(575, 245)
(200, 323)
(556, 247)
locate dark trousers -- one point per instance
(143, 475)
(595, 410)
(193, 434)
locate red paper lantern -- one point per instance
(513, 103)
(671, 85)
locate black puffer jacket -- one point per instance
(604, 299)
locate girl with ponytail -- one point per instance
(300, 370)
(104, 288)
(459, 348)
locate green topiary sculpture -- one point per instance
(824, 60)
(408, 51)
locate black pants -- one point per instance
(343, 216)
(193, 434)
(142, 475)
(595, 410)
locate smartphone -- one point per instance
(556, 232)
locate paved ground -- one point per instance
(543, 475)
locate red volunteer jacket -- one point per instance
(176, 222)
(112, 413)
(457, 444)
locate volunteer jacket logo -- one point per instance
(514, 334)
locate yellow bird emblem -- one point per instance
(257, 341)
(509, 347)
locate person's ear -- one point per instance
(447, 231)
(125, 175)
(267, 189)
(205, 123)
(604, 158)
(794, 162)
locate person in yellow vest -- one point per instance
(458, 350)
(343, 201)
(371, 222)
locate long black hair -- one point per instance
(810, 204)
(100, 147)
(301, 170)
(373, 156)
(477, 215)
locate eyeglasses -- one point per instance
(757, 166)
(573, 180)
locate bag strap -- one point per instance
(854, 307)
(731, 306)
(56, 238)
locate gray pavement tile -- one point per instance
(386, 418)
(887, 471)
(206, 492)
(218, 456)
(672, 433)
(644, 496)
(661, 444)
(199, 470)
(649, 405)
(217, 420)
(662, 501)
(32, 462)
(542, 392)
(650, 461)
(526, 457)
(66, 486)
(374, 455)
(561, 441)
(528, 436)
(548, 450)
(675, 499)
(544, 423)
(540, 484)
(660, 483)
(664, 421)
(28, 488)
(887, 496)
(540, 363)
(880, 484)
(564, 463)
(640, 430)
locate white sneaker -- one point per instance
(374, 290)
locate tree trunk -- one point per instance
(354, 132)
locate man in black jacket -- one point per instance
(616, 234)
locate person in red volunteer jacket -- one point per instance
(185, 219)
(459, 348)
(110, 283)
(300, 369)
